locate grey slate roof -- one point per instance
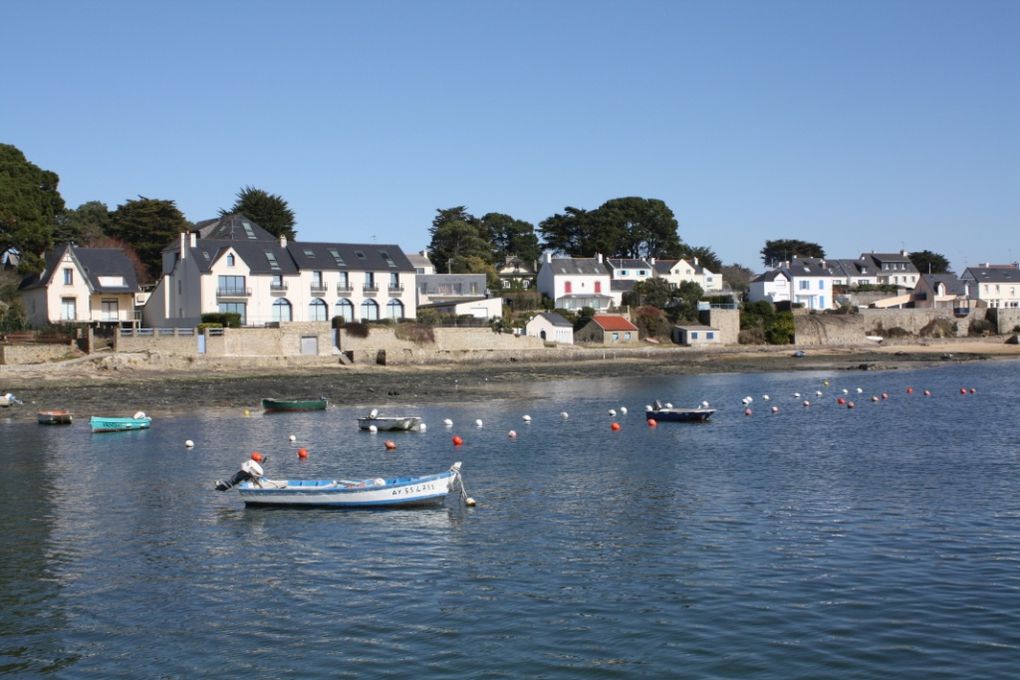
(769, 276)
(954, 285)
(96, 262)
(578, 265)
(555, 319)
(994, 274)
(664, 266)
(352, 256)
(236, 227)
(260, 256)
(810, 266)
(623, 263)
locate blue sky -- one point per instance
(857, 125)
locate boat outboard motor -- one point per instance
(249, 470)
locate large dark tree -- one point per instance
(782, 250)
(148, 225)
(928, 262)
(737, 276)
(640, 227)
(269, 211)
(458, 244)
(29, 204)
(83, 226)
(569, 233)
(510, 237)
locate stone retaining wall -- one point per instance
(451, 344)
(35, 353)
(816, 330)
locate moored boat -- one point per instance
(389, 423)
(256, 489)
(54, 417)
(138, 421)
(667, 414)
(8, 399)
(282, 405)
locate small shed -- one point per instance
(696, 335)
(607, 329)
(551, 327)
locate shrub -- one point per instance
(418, 333)
(225, 319)
(751, 336)
(202, 326)
(782, 331)
(897, 332)
(356, 329)
(981, 328)
(939, 328)
(651, 322)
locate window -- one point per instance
(231, 285)
(386, 258)
(358, 254)
(369, 279)
(395, 310)
(317, 279)
(281, 310)
(369, 310)
(276, 283)
(394, 280)
(345, 310)
(317, 310)
(271, 258)
(336, 257)
(249, 232)
(235, 308)
(694, 335)
(710, 335)
(616, 337)
(344, 282)
(68, 277)
(626, 336)
(68, 309)
(805, 285)
(821, 284)
(108, 310)
(230, 260)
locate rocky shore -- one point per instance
(116, 385)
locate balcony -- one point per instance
(278, 289)
(343, 289)
(222, 293)
(396, 288)
(370, 289)
(319, 289)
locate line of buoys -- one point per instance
(615, 427)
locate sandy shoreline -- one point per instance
(89, 388)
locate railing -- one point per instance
(277, 288)
(319, 289)
(370, 290)
(159, 332)
(396, 287)
(233, 292)
(343, 289)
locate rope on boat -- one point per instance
(468, 501)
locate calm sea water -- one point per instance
(876, 542)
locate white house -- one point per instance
(772, 286)
(996, 285)
(678, 271)
(696, 335)
(893, 268)
(551, 327)
(575, 282)
(861, 271)
(457, 294)
(94, 285)
(232, 265)
(634, 269)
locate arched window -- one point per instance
(317, 310)
(395, 310)
(281, 310)
(345, 310)
(369, 310)
(230, 260)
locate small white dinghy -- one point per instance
(256, 489)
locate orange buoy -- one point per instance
(390, 445)
(457, 441)
(652, 422)
(615, 427)
(910, 390)
(841, 401)
(256, 456)
(302, 453)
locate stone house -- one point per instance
(607, 329)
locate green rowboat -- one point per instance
(277, 405)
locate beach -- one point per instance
(113, 384)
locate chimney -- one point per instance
(184, 245)
(194, 239)
(548, 257)
(904, 253)
(695, 262)
(283, 241)
(598, 256)
(651, 261)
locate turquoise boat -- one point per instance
(139, 421)
(277, 405)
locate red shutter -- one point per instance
(598, 286)
(566, 286)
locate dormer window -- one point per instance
(230, 260)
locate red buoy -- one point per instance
(652, 422)
(615, 427)
(457, 441)
(302, 453)
(390, 445)
(841, 401)
(963, 390)
(256, 456)
(910, 390)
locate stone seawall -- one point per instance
(451, 344)
(35, 353)
(818, 330)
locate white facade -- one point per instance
(551, 328)
(771, 287)
(575, 283)
(998, 286)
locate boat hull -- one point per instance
(680, 415)
(285, 405)
(397, 492)
(54, 417)
(390, 423)
(100, 424)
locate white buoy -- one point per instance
(373, 429)
(526, 419)
(512, 434)
(612, 411)
(765, 397)
(423, 427)
(470, 502)
(648, 407)
(846, 391)
(818, 393)
(564, 415)
(374, 413)
(775, 409)
(749, 399)
(448, 423)
(292, 438)
(860, 390)
(796, 395)
(189, 443)
(623, 410)
(807, 403)
(478, 423)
